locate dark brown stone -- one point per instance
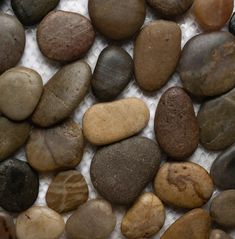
(7, 226)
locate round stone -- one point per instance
(222, 209)
(232, 24)
(67, 191)
(30, 12)
(185, 185)
(219, 234)
(113, 71)
(19, 185)
(62, 94)
(39, 222)
(223, 168)
(156, 53)
(176, 125)
(12, 41)
(145, 218)
(60, 147)
(7, 226)
(20, 91)
(65, 36)
(212, 18)
(117, 20)
(120, 171)
(207, 64)
(93, 219)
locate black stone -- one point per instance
(231, 25)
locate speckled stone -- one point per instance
(219, 234)
(7, 226)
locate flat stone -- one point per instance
(30, 12)
(113, 71)
(145, 218)
(156, 53)
(223, 168)
(7, 226)
(212, 18)
(12, 38)
(231, 26)
(219, 234)
(207, 64)
(39, 222)
(106, 123)
(62, 94)
(222, 209)
(176, 126)
(93, 219)
(120, 171)
(20, 91)
(12, 136)
(184, 184)
(216, 122)
(60, 32)
(117, 20)
(19, 185)
(195, 224)
(57, 148)
(67, 191)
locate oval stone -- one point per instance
(62, 94)
(20, 91)
(12, 136)
(30, 12)
(19, 185)
(217, 122)
(219, 234)
(223, 168)
(113, 71)
(67, 191)
(207, 64)
(39, 222)
(93, 219)
(120, 171)
(12, 38)
(117, 20)
(156, 54)
(176, 126)
(212, 18)
(60, 147)
(222, 209)
(145, 218)
(7, 226)
(107, 123)
(65, 36)
(195, 224)
(232, 24)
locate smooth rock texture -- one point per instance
(93, 219)
(212, 14)
(156, 54)
(106, 123)
(65, 36)
(120, 171)
(60, 147)
(39, 222)
(30, 12)
(62, 94)
(12, 136)
(117, 20)
(19, 185)
(231, 26)
(67, 191)
(192, 225)
(222, 209)
(176, 126)
(223, 168)
(217, 122)
(12, 38)
(113, 71)
(145, 218)
(207, 64)
(185, 185)
(20, 91)
(7, 226)
(219, 234)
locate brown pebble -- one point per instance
(7, 226)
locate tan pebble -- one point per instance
(219, 234)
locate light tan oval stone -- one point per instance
(145, 218)
(107, 123)
(183, 184)
(67, 191)
(39, 223)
